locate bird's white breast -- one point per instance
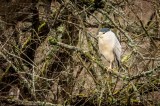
(107, 43)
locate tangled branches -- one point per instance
(49, 53)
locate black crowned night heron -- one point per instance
(109, 46)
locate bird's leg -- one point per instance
(111, 64)
(110, 68)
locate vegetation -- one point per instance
(49, 53)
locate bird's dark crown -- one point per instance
(104, 30)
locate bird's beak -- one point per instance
(99, 35)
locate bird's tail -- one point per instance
(118, 63)
(120, 67)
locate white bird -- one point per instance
(109, 46)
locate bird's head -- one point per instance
(103, 31)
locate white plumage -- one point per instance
(109, 46)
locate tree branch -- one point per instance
(92, 59)
(8, 100)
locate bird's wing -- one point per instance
(117, 50)
(117, 54)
